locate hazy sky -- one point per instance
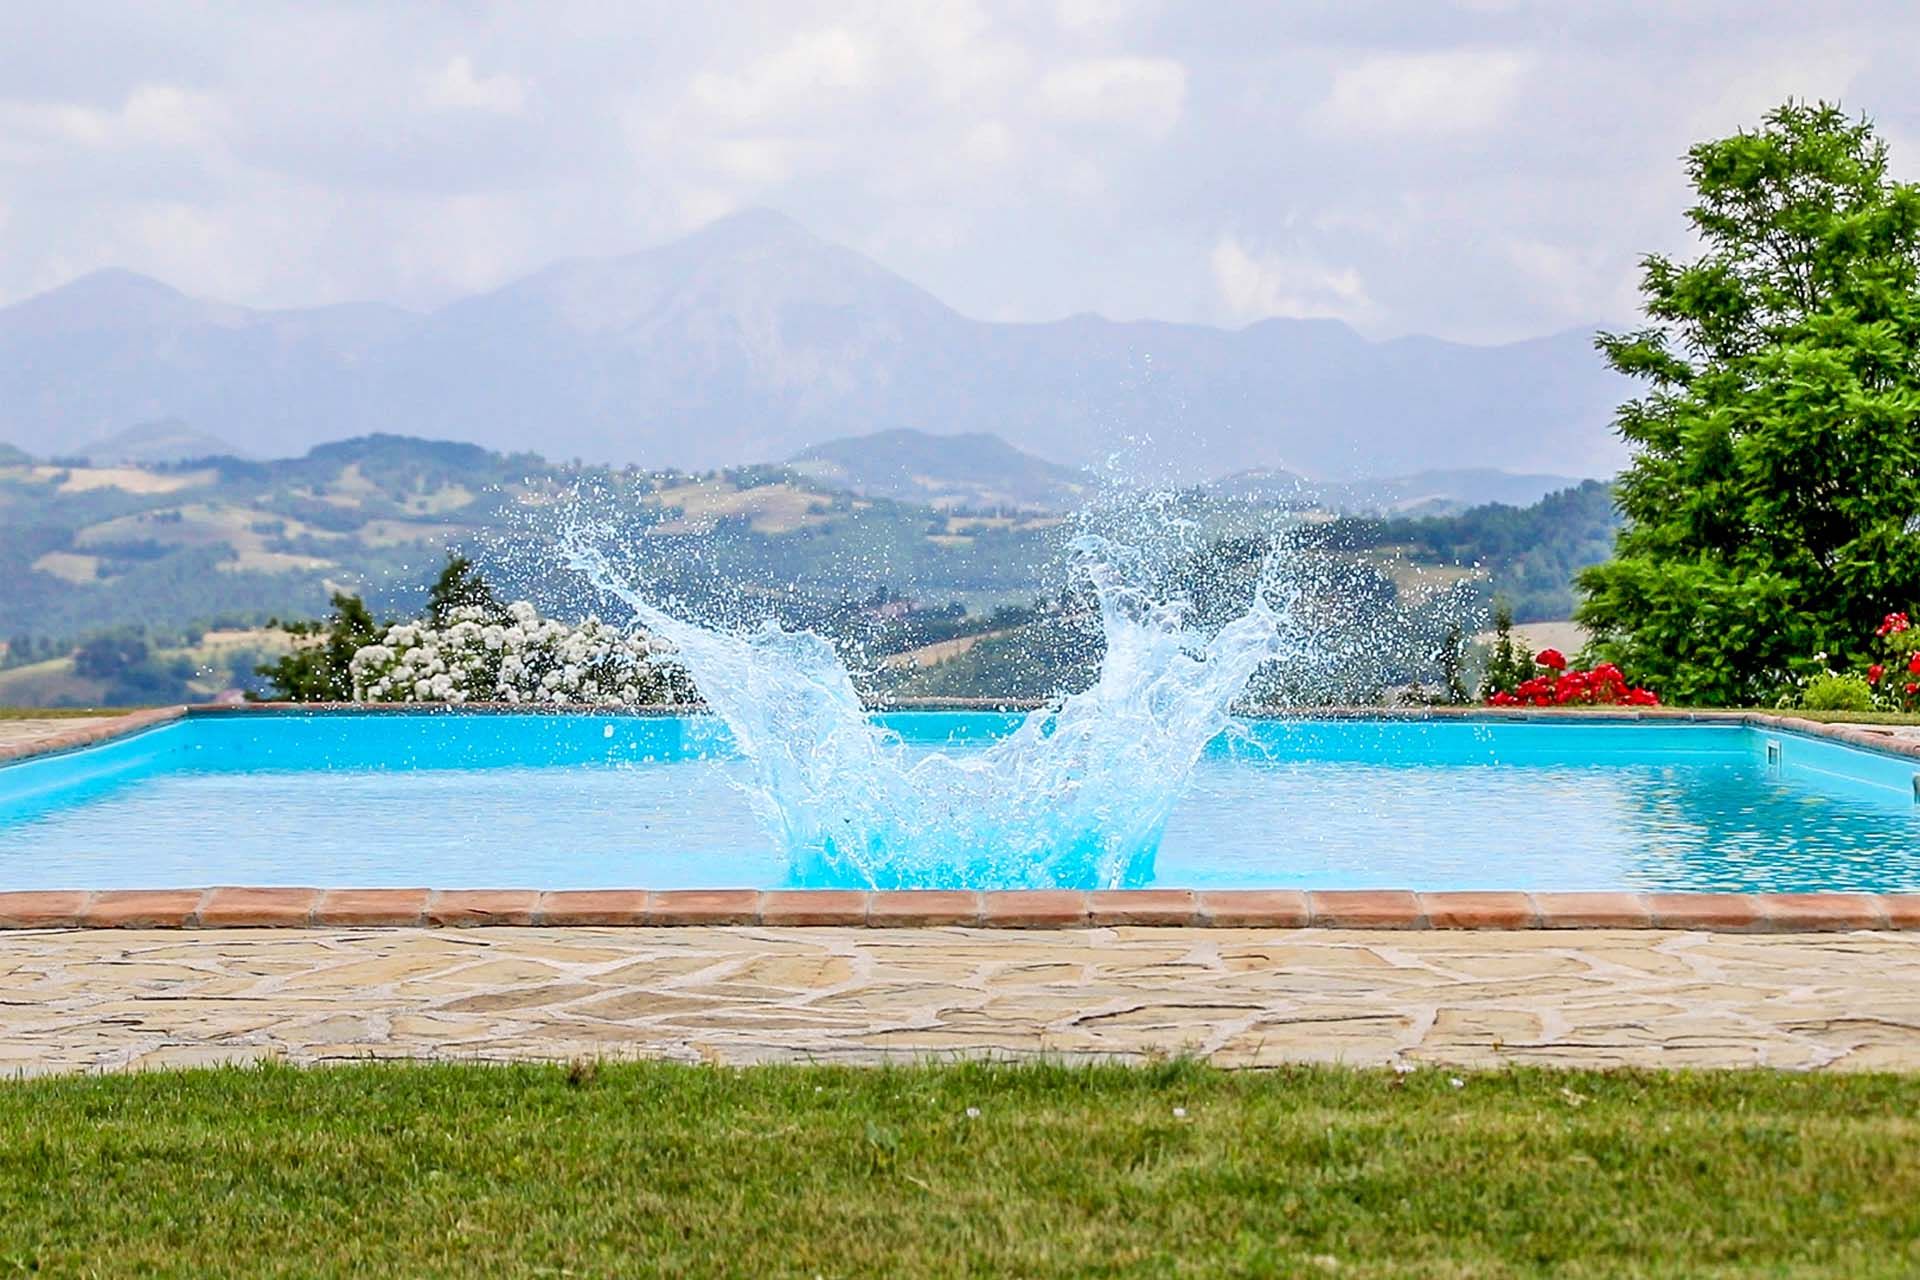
(1479, 170)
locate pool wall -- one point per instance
(1815, 747)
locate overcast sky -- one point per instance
(1479, 170)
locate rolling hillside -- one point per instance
(224, 539)
(937, 559)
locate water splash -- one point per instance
(1075, 797)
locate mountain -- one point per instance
(162, 440)
(1276, 485)
(1444, 492)
(753, 339)
(1439, 492)
(975, 471)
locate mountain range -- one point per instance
(753, 340)
(1425, 493)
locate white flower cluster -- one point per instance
(477, 655)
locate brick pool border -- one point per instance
(278, 907)
(226, 907)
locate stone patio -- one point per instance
(90, 1000)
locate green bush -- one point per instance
(1837, 693)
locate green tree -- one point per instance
(1453, 667)
(460, 585)
(1771, 503)
(111, 654)
(1509, 662)
(320, 670)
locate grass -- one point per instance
(61, 713)
(774, 1171)
(1843, 717)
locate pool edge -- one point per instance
(93, 734)
(1863, 737)
(229, 906)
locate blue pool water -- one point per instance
(585, 801)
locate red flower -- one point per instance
(1913, 664)
(1874, 673)
(1912, 688)
(1891, 623)
(1558, 686)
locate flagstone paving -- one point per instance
(117, 999)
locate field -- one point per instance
(1175, 1170)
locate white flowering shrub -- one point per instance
(476, 654)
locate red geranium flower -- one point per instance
(1912, 688)
(1642, 698)
(1552, 658)
(1891, 623)
(1874, 673)
(1913, 664)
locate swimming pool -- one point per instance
(562, 801)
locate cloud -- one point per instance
(1453, 91)
(1256, 286)
(153, 115)
(1747, 87)
(816, 66)
(1146, 94)
(1481, 169)
(1085, 15)
(456, 87)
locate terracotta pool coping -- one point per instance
(295, 908)
(237, 906)
(87, 733)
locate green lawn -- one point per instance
(1846, 717)
(60, 713)
(1172, 1170)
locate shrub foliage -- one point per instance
(1771, 504)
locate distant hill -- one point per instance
(1431, 493)
(162, 440)
(976, 471)
(87, 547)
(752, 340)
(1442, 492)
(12, 457)
(956, 598)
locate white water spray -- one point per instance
(1076, 797)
